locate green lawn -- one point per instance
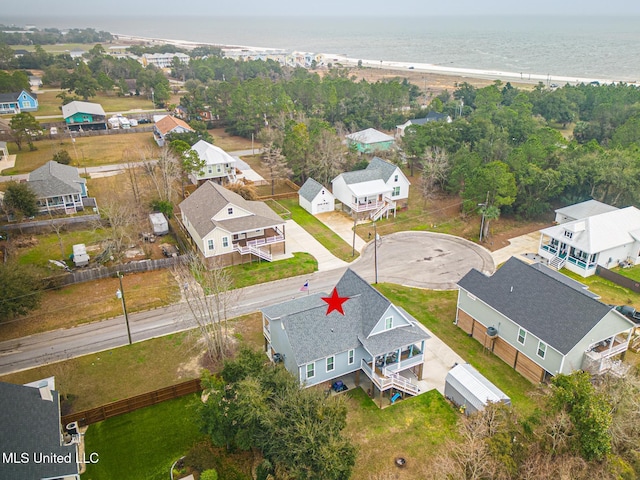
(633, 272)
(49, 104)
(143, 444)
(609, 292)
(329, 239)
(261, 272)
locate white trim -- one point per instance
(333, 364)
(306, 370)
(351, 356)
(524, 337)
(544, 350)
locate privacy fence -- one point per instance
(618, 279)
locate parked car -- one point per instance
(143, 121)
(629, 312)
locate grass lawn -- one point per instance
(632, 272)
(330, 240)
(49, 104)
(414, 428)
(609, 292)
(145, 443)
(261, 272)
(436, 310)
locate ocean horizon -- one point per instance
(547, 46)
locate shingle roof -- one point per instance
(54, 179)
(212, 154)
(203, 204)
(31, 424)
(168, 123)
(72, 108)
(378, 169)
(556, 313)
(586, 209)
(314, 335)
(570, 282)
(13, 96)
(310, 189)
(369, 136)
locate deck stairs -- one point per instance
(557, 262)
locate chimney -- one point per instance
(45, 393)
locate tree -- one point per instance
(164, 172)
(20, 200)
(19, 290)
(62, 156)
(81, 82)
(23, 127)
(245, 188)
(190, 161)
(276, 164)
(435, 170)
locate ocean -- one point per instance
(606, 47)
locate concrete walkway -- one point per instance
(517, 246)
(342, 225)
(299, 240)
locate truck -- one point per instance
(630, 312)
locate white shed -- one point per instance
(469, 389)
(159, 223)
(315, 198)
(80, 256)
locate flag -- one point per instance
(305, 287)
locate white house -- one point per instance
(582, 210)
(227, 229)
(607, 239)
(431, 117)
(218, 164)
(315, 198)
(374, 191)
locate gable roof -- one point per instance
(601, 232)
(377, 170)
(74, 107)
(212, 154)
(310, 189)
(585, 209)
(369, 136)
(570, 282)
(53, 179)
(34, 426)
(556, 313)
(14, 96)
(313, 334)
(202, 205)
(168, 123)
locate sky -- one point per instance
(329, 8)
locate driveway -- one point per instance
(517, 246)
(342, 225)
(299, 240)
(423, 259)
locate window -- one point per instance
(522, 334)
(210, 244)
(396, 191)
(225, 242)
(395, 178)
(388, 323)
(311, 370)
(352, 356)
(330, 364)
(542, 349)
(230, 211)
(568, 234)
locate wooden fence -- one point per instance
(98, 414)
(618, 279)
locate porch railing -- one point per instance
(385, 383)
(392, 368)
(365, 207)
(265, 241)
(254, 251)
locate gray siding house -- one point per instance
(373, 336)
(540, 325)
(59, 188)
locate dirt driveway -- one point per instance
(423, 259)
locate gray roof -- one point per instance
(74, 107)
(314, 335)
(570, 282)
(370, 136)
(475, 387)
(585, 209)
(378, 169)
(202, 205)
(310, 189)
(556, 313)
(31, 424)
(14, 96)
(54, 179)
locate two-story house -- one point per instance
(541, 322)
(367, 333)
(84, 116)
(227, 229)
(375, 191)
(218, 164)
(18, 102)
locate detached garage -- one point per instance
(469, 389)
(315, 198)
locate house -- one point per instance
(582, 210)
(167, 124)
(468, 389)
(33, 445)
(539, 325)
(374, 191)
(320, 341)
(431, 117)
(58, 188)
(227, 229)
(606, 239)
(370, 141)
(35, 81)
(18, 102)
(218, 164)
(163, 60)
(81, 116)
(314, 198)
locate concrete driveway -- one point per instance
(517, 246)
(299, 240)
(342, 225)
(423, 259)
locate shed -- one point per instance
(80, 257)
(469, 389)
(159, 223)
(315, 198)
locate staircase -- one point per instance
(250, 249)
(382, 209)
(395, 380)
(557, 262)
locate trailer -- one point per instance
(159, 223)
(469, 390)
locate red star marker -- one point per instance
(335, 302)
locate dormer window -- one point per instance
(230, 211)
(568, 234)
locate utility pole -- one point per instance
(484, 209)
(375, 249)
(120, 295)
(353, 246)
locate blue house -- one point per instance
(18, 102)
(321, 343)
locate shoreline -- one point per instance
(475, 73)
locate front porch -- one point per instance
(247, 243)
(559, 254)
(70, 204)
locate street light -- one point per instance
(120, 295)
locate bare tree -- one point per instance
(435, 170)
(164, 173)
(276, 163)
(122, 217)
(208, 298)
(328, 157)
